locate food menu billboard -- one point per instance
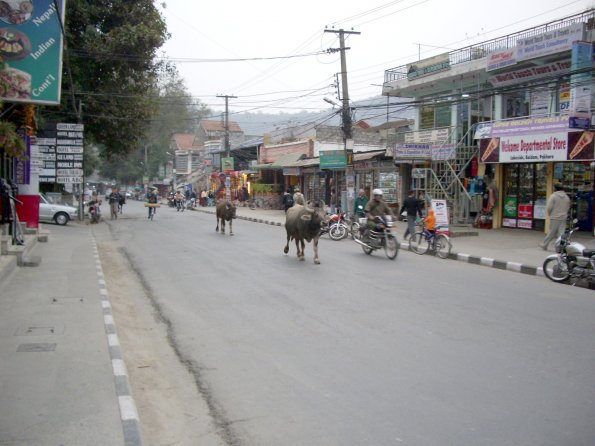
(534, 140)
(31, 50)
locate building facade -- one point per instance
(499, 122)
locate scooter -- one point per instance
(379, 237)
(571, 261)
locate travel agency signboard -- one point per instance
(534, 140)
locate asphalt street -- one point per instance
(361, 349)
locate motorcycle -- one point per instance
(338, 228)
(571, 261)
(95, 211)
(191, 203)
(354, 225)
(180, 205)
(170, 201)
(379, 237)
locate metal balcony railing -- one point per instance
(483, 49)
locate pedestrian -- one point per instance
(113, 200)
(203, 198)
(557, 209)
(121, 201)
(413, 209)
(298, 197)
(287, 200)
(360, 204)
(244, 193)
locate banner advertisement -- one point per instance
(425, 151)
(32, 51)
(521, 126)
(580, 93)
(550, 42)
(333, 159)
(501, 59)
(22, 167)
(441, 211)
(428, 136)
(428, 66)
(533, 148)
(553, 69)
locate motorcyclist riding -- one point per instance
(376, 207)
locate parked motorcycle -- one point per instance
(571, 261)
(379, 237)
(338, 228)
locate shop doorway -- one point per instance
(525, 197)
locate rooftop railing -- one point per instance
(483, 49)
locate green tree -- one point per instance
(110, 50)
(175, 111)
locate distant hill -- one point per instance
(372, 110)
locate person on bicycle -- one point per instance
(430, 221)
(152, 198)
(411, 205)
(179, 200)
(376, 207)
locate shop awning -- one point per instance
(363, 156)
(286, 160)
(307, 162)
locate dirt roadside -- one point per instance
(171, 409)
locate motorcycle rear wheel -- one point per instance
(556, 271)
(391, 247)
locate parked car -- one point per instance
(55, 213)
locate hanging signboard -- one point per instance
(61, 149)
(333, 159)
(227, 163)
(580, 93)
(32, 51)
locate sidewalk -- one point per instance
(62, 379)
(510, 249)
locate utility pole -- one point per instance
(346, 113)
(227, 97)
(345, 117)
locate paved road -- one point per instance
(361, 349)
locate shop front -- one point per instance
(378, 173)
(533, 154)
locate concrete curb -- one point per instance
(462, 257)
(128, 412)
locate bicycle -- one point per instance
(424, 240)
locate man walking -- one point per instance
(557, 209)
(413, 208)
(360, 204)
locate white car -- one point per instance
(55, 213)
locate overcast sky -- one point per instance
(393, 33)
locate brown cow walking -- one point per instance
(225, 211)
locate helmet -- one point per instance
(377, 192)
